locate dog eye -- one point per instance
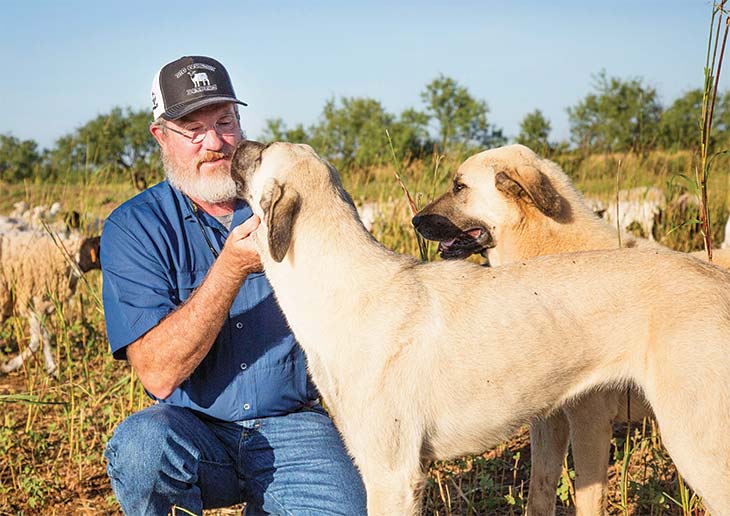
(459, 187)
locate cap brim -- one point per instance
(179, 111)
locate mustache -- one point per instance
(215, 155)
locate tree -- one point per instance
(720, 137)
(619, 116)
(534, 132)
(119, 140)
(276, 131)
(679, 127)
(460, 118)
(18, 159)
(410, 135)
(352, 132)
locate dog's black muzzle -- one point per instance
(454, 242)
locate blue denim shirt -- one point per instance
(154, 256)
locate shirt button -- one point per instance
(244, 366)
(246, 406)
(239, 325)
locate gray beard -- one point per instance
(214, 189)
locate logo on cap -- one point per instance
(199, 79)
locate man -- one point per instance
(187, 305)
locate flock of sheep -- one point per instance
(43, 253)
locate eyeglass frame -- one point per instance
(196, 138)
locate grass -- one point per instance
(53, 431)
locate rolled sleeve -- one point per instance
(137, 292)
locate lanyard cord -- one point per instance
(202, 230)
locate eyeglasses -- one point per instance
(196, 132)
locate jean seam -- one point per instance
(225, 464)
(273, 498)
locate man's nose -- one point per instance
(213, 140)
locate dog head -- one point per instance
(272, 179)
(491, 190)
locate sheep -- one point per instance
(370, 213)
(640, 206)
(20, 210)
(24, 217)
(34, 272)
(374, 213)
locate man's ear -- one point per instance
(157, 132)
(280, 205)
(528, 184)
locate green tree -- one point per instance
(534, 132)
(276, 131)
(119, 141)
(679, 127)
(18, 159)
(351, 132)
(721, 125)
(619, 116)
(410, 137)
(460, 118)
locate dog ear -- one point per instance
(529, 184)
(281, 207)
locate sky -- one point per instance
(68, 61)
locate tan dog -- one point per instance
(423, 361)
(511, 205)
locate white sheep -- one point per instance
(640, 206)
(35, 273)
(42, 217)
(20, 210)
(378, 212)
(370, 213)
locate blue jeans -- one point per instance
(294, 464)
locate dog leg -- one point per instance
(694, 430)
(36, 339)
(390, 493)
(46, 341)
(591, 427)
(548, 445)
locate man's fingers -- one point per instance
(247, 227)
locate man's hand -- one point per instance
(239, 253)
(170, 352)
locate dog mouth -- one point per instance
(454, 241)
(472, 241)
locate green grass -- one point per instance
(53, 431)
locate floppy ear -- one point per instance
(529, 184)
(280, 205)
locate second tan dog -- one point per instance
(510, 205)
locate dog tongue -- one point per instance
(474, 233)
(445, 244)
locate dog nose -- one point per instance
(416, 220)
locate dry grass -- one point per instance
(52, 432)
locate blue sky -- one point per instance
(68, 61)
